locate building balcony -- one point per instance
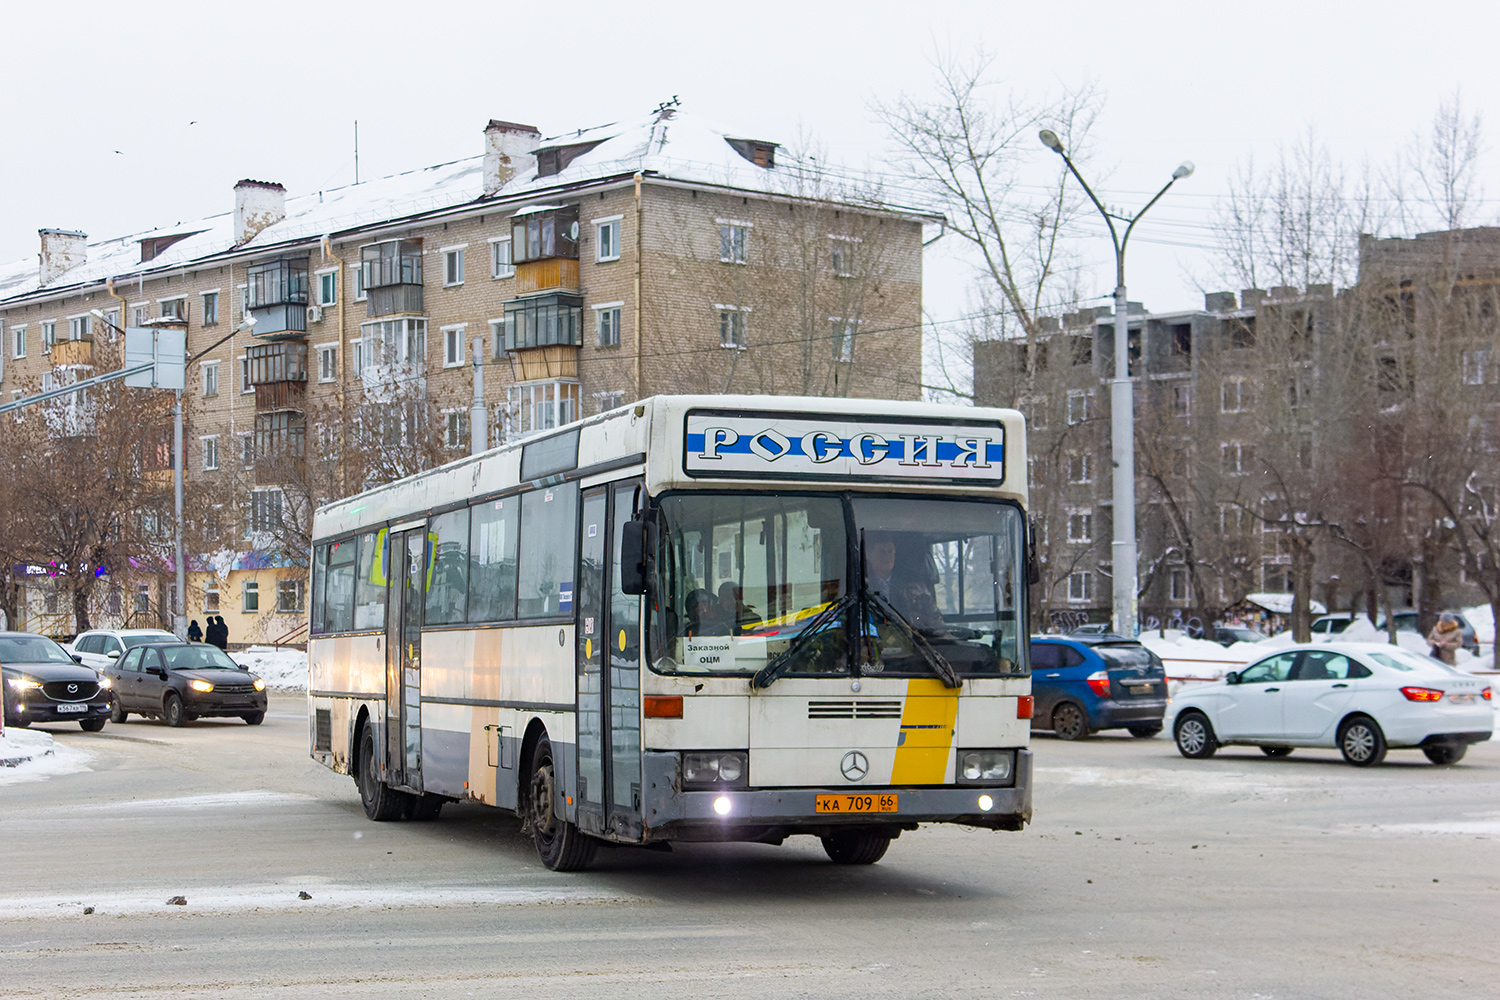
(392, 277)
(73, 352)
(555, 273)
(275, 396)
(550, 362)
(285, 361)
(276, 296)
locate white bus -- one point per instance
(695, 618)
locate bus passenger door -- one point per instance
(403, 659)
(590, 637)
(623, 679)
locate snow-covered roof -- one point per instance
(1281, 604)
(677, 146)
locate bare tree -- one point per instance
(1435, 181)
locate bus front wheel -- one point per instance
(856, 847)
(562, 846)
(382, 802)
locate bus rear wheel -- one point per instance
(561, 845)
(382, 802)
(856, 847)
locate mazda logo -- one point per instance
(72, 689)
(855, 765)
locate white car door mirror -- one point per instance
(113, 654)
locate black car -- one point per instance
(182, 681)
(44, 684)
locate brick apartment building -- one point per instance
(593, 268)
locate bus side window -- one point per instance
(447, 567)
(337, 592)
(492, 560)
(548, 551)
(369, 583)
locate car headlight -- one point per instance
(715, 769)
(24, 683)
(105, 683)
(260, 685)
(203, 686)
(986, 767)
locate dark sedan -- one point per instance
(178, 682)
(44, 684)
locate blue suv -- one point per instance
(1084, 683)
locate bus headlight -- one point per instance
(986, 767)
(707, 769)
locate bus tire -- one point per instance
(561, 845)
(857, 846)
(382, 803)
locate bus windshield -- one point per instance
(822, 584)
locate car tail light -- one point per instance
(1099, 682)
(1422, 694)
(1026, 704)
(1487, 694)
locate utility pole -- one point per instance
(478, 415)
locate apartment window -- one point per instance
(497, 335)
(247, 449)
(732, 239)
(290, 596)
(18, 334)
(49, 336)
(245, 383)
(1080, 469)
(210, 378)
(608, 400)
(174, 308)
(393, 342)
(211, 597)
(608, 321)
(78, 328)
(138, 315)
(1233, 397)
(453, 345)
(265, 510)
(1177, 585)
(142, 598)
(547, 319)
(210, 452)
(250, 597)
(539, 406)
(1080, 407)
(1081, 586)
(1235, 457)
(328, 363)
(607, 239)
(1182, 338)
(501, 263)
(843, 338)
(359, 282)
(455, 428)
(453, 266)
(1182, 400)
(1476, 366)
(210, 308)
(328, 287)
(732, 327)
(841, 257)
(1080, 527)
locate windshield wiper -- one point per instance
(935, 660)
(782, 663)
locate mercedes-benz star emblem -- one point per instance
(855, 765)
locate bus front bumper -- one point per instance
(770, 814)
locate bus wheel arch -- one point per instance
(356, 734)
(560, 844)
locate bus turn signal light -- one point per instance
(1024, 706)
(1422, 694)
(663, 706)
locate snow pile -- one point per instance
(31, 755)
(1483, 619)
(279, 668)
(1198, 659)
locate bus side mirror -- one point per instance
(1033, 565)
(633, 558)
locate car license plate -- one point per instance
(72, 708)
(1140, 688)
(1461, 699)
(856, 804)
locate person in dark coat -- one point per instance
(195, 634)
(218, 632)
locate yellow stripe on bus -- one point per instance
(926, 741)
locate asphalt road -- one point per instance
(1144, 875)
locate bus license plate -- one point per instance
(856, 804)
(72, 708)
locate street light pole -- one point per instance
(1123, 551)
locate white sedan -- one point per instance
(1363, 698)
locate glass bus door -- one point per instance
(609, 668)
(403, 660)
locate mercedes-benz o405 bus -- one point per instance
(694, 618)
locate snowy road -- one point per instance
(1144, 875)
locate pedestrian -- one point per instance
(218, 632)
(1445, 638)
(195, 634)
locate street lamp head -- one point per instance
(1185, 170)
(1050, 140)
(97, 313)
(246, 323)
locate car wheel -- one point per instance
(172, 712)
(1276, 751)
(561, 845)
(1361, 741)
(254, 718)
(1069, 722)
(117, 714)
(381, 802)
(91, 725)
(856, 847)
(1144, 732)
(1195, 736)
(1445, 753)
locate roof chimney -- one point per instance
(61, 249)
(509, 150)
(257, 204)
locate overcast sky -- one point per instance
(123, 117)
